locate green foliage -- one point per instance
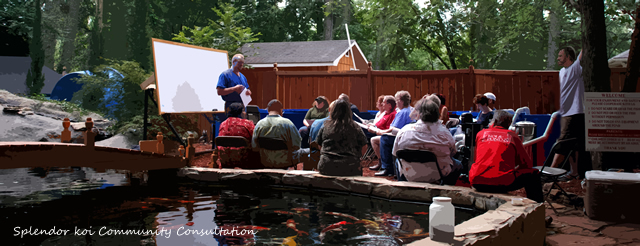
(66, 106)
(227, 33)
(35, 78)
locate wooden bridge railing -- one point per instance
(151, 146)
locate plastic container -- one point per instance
(441, 219)
(608, 196)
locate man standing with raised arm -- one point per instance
(572, 135)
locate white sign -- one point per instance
(612, 121)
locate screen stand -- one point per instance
(166, 117)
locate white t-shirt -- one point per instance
(571, 90)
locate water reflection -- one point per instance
(192, 213)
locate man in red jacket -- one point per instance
(502, 164)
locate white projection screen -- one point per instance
(186, 77)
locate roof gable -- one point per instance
(320, 52)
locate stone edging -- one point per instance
(502, 224)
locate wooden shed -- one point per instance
(332, 56)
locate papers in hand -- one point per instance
(367, 127)
(245, 99)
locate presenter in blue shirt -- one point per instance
(231, 82)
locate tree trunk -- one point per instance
(633, 62)
(68, 46)
(552, 45)
(35, 78)
(328, 21)
(595, 69)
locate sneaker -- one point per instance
(567, 177)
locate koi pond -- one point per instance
(79, 206)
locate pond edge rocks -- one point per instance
(501, 224)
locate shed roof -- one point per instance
(305, 53)
(619, 60)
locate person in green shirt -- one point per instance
(277, 127)
(318, 111)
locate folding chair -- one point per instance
(230, 141)
(421, 156)
(368, 155)
(551, 174)
(275, 144)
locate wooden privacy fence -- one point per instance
(538, 90)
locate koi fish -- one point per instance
(342, 215)
(290, 213)
(335, 226)
(189, 223)
(421, 213)
(290, 241)
(183, 201)
(300, 210)
(292, 225)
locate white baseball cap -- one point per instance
(490, 96)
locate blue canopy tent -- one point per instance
(68, 85)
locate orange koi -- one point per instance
(300, 209)
(421, 213)
(335, 226)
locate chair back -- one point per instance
(272, 143)
(253, 113)
(420, 156)
(232, 141)
(547, 170)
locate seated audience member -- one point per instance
(341, 141)
(444, 111)
(492, 103)
(427, 134)
(353, 107)
(501, 162)
(318, 111)
(313, 134)
(380, 109)
(236, 125)
(403, 98)
(492, 100)
(389, 105)
(486, 113)
(278, 127)
(317, 124)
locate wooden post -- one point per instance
(472, 80)
(181, 150)
(160, 144)
(89, 136)
(214, 158)
(371, 87)
(191, 149)
(65, 136)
